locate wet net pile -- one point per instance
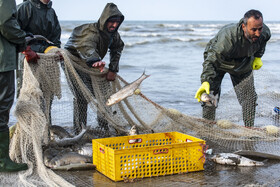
(71, 95)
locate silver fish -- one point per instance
(28, 39)
(126, 91)
(234, 160)
(51, 152)
(69, 158)
(85, 150)
(72, 167)
(133, 131)
(69, 141)
(58, 131)
(209, 99)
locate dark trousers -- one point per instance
(81, 105)
(246, 95)
(7, 93)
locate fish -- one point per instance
(126, 91)
(133, 131)
(209, 99)
(85, 149)
(69, 158)
(58, 131)
(69, 141)
(28, 39)
(51, 152)
(72, 167)
(234, 160)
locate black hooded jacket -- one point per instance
(39, 19)
(90, 42)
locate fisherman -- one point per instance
(12, 40)
(90, 43)
(37, 17)
(236, 49)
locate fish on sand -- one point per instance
(126, 91)
(234, 160)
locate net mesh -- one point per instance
(68, 94)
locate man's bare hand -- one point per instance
(111, 76)
(100, 65)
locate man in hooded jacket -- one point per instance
(90, 43)
(236, 49)
(12, 40)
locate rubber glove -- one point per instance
(49, 48)
(31, 56)
(205, 87)
(257, 63)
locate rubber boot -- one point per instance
(6, 164)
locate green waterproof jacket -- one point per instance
(12, 38)
(231, 52)
(90, 42)
(39, 19)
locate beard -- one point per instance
(250, 37)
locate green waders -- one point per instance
(6, 164)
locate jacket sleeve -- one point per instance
(217, 53)
(83, 43)
(266, 36)
(56, 33)
(11, 30)
(115, 53)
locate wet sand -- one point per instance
(213, 175)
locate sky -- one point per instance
(185, 10)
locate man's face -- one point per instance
(45, 1)
(112, 26)
(253, 29)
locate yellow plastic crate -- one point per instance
(148, 155)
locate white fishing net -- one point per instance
(71, 95)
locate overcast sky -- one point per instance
(225, 10)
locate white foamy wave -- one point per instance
(182, 39)
(170, 25)
(142, 34)
(274, 28)
(65, 36)
(132, 44)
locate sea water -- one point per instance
(172, 53)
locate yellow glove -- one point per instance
(205, 87)
(257, 63)
(49, 48)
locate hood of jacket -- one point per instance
(110, 10)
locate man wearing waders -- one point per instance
(37, 17)
(90, 43)
(12, 40)
(236, 49)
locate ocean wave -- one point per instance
(163, 41)
(168, 25)
(141, 34)
(133, 44)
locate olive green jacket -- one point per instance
(90, 42)
(12, 38)
(231, 52)
(39, 19)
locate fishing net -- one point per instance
(71, 95)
